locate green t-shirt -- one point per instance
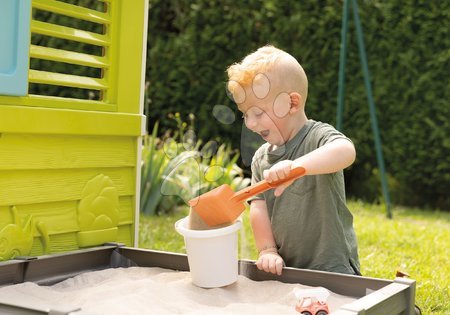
(312, 226)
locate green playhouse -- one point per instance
(70, 167)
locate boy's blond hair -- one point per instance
(283, 71)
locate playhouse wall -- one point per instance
(44, 178)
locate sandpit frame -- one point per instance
(386, 296)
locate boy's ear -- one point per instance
(296, 102)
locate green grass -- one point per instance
(416, 242)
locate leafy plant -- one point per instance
(222, 169)
(178, 168)
(154, 166)
(200, 172)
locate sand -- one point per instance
(140, 290)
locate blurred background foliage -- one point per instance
(192, 42)
(177, 167)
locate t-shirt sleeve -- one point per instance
(326, 134)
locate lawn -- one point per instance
(416, 242)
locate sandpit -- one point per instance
(141, 290)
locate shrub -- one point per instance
(191, 43)
(177, 168)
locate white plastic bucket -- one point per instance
(212, 254)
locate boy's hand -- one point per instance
(279, 171)
(270, 261)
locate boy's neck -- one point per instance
(297, 125)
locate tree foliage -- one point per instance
(191, 43)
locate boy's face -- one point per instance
(267, 114)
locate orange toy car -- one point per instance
(312, 301)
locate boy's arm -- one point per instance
(268, 260)
(329, 158)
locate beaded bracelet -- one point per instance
(268, 247)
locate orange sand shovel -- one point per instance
(223, 205)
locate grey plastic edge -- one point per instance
(386, 297)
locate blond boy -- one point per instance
(304, 223)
